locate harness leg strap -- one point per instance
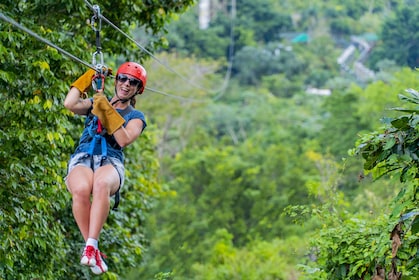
(103, 143)
(117, 197)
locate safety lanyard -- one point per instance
(97, 136)
(100, 67)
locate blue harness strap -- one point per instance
(97, 135)
(94, 142)
(95, 131)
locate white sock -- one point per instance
(92, 242)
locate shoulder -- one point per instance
(134, 114)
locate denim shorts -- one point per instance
(85, 160)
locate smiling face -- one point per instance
(134, 70)
(126, 86)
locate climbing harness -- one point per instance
(99, 135)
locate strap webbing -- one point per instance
(117, 197)
(103, 144)
(96, 133)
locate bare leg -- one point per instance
(80, 184)
(105, 183)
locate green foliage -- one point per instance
(352, 8)
(345, 245)
(235, 164)
(400, 40)
(259, 260)
(229, 168)
(365, 246)
(345, 26)
(251, 13)
(34, 141)
(380, 95)
(395, 148)
(261, 34)
(253, 63)
(214, 42)
(319, 61)
(340, 130)
(238, 176)
(353, 248)
(185, 37)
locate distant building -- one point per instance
(352, 58)
(204, 13)
(208, 9)
(301, 38)
(319, 91)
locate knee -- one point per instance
(101, 188)
(81, 192)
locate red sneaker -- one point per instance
(100, 266)
(89, 256)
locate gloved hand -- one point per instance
(107, 114)
(84, 82)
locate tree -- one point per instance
(341, 123)
(258, 260)
(399, 39)
(185, 37)
(246, 165)
(251, 13)
(254, 63)
(360, 247)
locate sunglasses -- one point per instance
(132, 82)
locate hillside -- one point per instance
(270, 150)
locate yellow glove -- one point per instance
(84, 82)
(107, 114)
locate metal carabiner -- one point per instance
(102, 69)
(96, 53)
(98, 82)
(95, 17)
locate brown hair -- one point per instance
(133, 101)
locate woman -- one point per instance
(96, 170)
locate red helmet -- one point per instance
(135, 70)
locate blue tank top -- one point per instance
(113, 149)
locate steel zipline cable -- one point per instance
(95, 8)
(147, 51)
(224, 85)
(33, 34)
(75, 58)
(230, 52)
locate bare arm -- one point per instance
(126, 135)
(74, 103)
